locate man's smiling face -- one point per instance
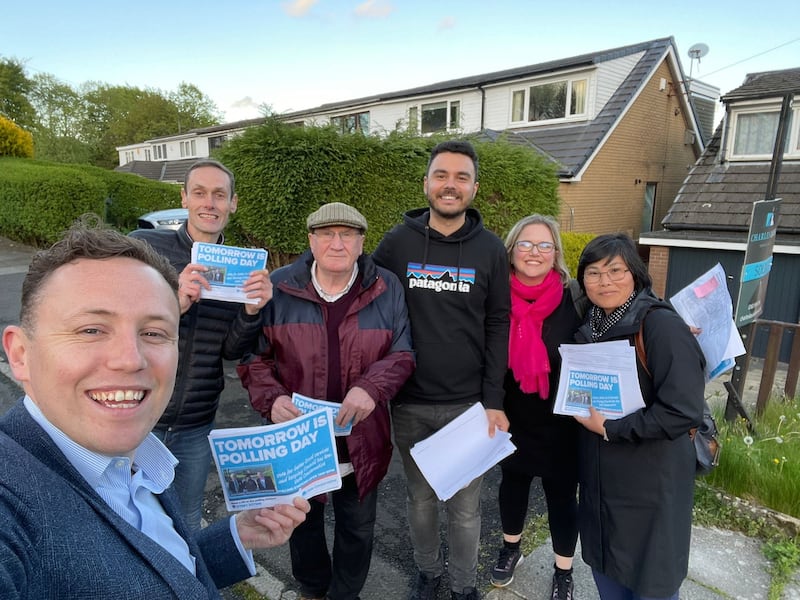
(207, 196)
(100, 355)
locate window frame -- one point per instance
(452, 116)
(792, 148)
(571, 99)
(357, 122)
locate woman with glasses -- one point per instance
(637, 472)
(543, 316)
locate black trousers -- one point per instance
(342, 576)
(562, 508)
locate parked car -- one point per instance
(170, 218)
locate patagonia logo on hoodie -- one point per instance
(440, 278)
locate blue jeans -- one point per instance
(191, 448)
(611, 590)
(353, 535)
(412, 423)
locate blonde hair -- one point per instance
(559, 264)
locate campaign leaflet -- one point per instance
(228, 269)
(590, 388)
(307, 405)
(271, 464)
(602, 375)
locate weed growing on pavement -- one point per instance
(763, 466)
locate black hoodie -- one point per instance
(458, 301)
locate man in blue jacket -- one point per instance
(455, 275)
(86, 507)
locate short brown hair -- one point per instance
(88, 238)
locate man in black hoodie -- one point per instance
(455, 275)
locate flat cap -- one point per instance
(336, 213)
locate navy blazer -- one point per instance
(60, 540)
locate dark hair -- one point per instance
(610, 246)
(88, 239)
(210, 162)
(458, 147)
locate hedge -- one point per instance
(39, 200)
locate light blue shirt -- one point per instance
(131, 489)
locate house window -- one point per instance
(351, 123)
(216, 142)
(755, 130)
(188, 148)
(435, 116)
(561, 99)
(455, 110)
(160, 151)
(147, 155)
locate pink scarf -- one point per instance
(527, 355)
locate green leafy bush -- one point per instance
(573, 244)
(14, 141)
(39, 200)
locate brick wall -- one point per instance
(659, 263)
(648, 145)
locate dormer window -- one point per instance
(562, 99)
(754, 129)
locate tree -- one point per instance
(195, 109)
(60, 112)
(122, 115)
(14, 89)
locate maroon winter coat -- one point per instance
(375, 348)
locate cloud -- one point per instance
(298, 8)
(446, 23)
(246, 102)
(374, 9)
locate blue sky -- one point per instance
(302, 53)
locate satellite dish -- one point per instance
(698, 51)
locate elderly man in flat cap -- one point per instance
(336, 329)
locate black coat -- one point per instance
(546, 443)
(637, 489)
(210, 331)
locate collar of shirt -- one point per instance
(155, 469)
(325, 295)
(152, 458)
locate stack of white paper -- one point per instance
(706, 304)
(602, 375)
(461, 451)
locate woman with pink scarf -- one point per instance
(543, 316)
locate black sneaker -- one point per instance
(562, 586)
(424, 587)
(503, 571)
(469, 593)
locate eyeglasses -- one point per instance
(526, 246)
(328, 235)
(614, 274)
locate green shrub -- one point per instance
(574, 244)
(39, 200)
(14, 141)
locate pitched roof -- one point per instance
(766, 84)
(495, 77)
(570, 145)
(168, 171)
(717, 197)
